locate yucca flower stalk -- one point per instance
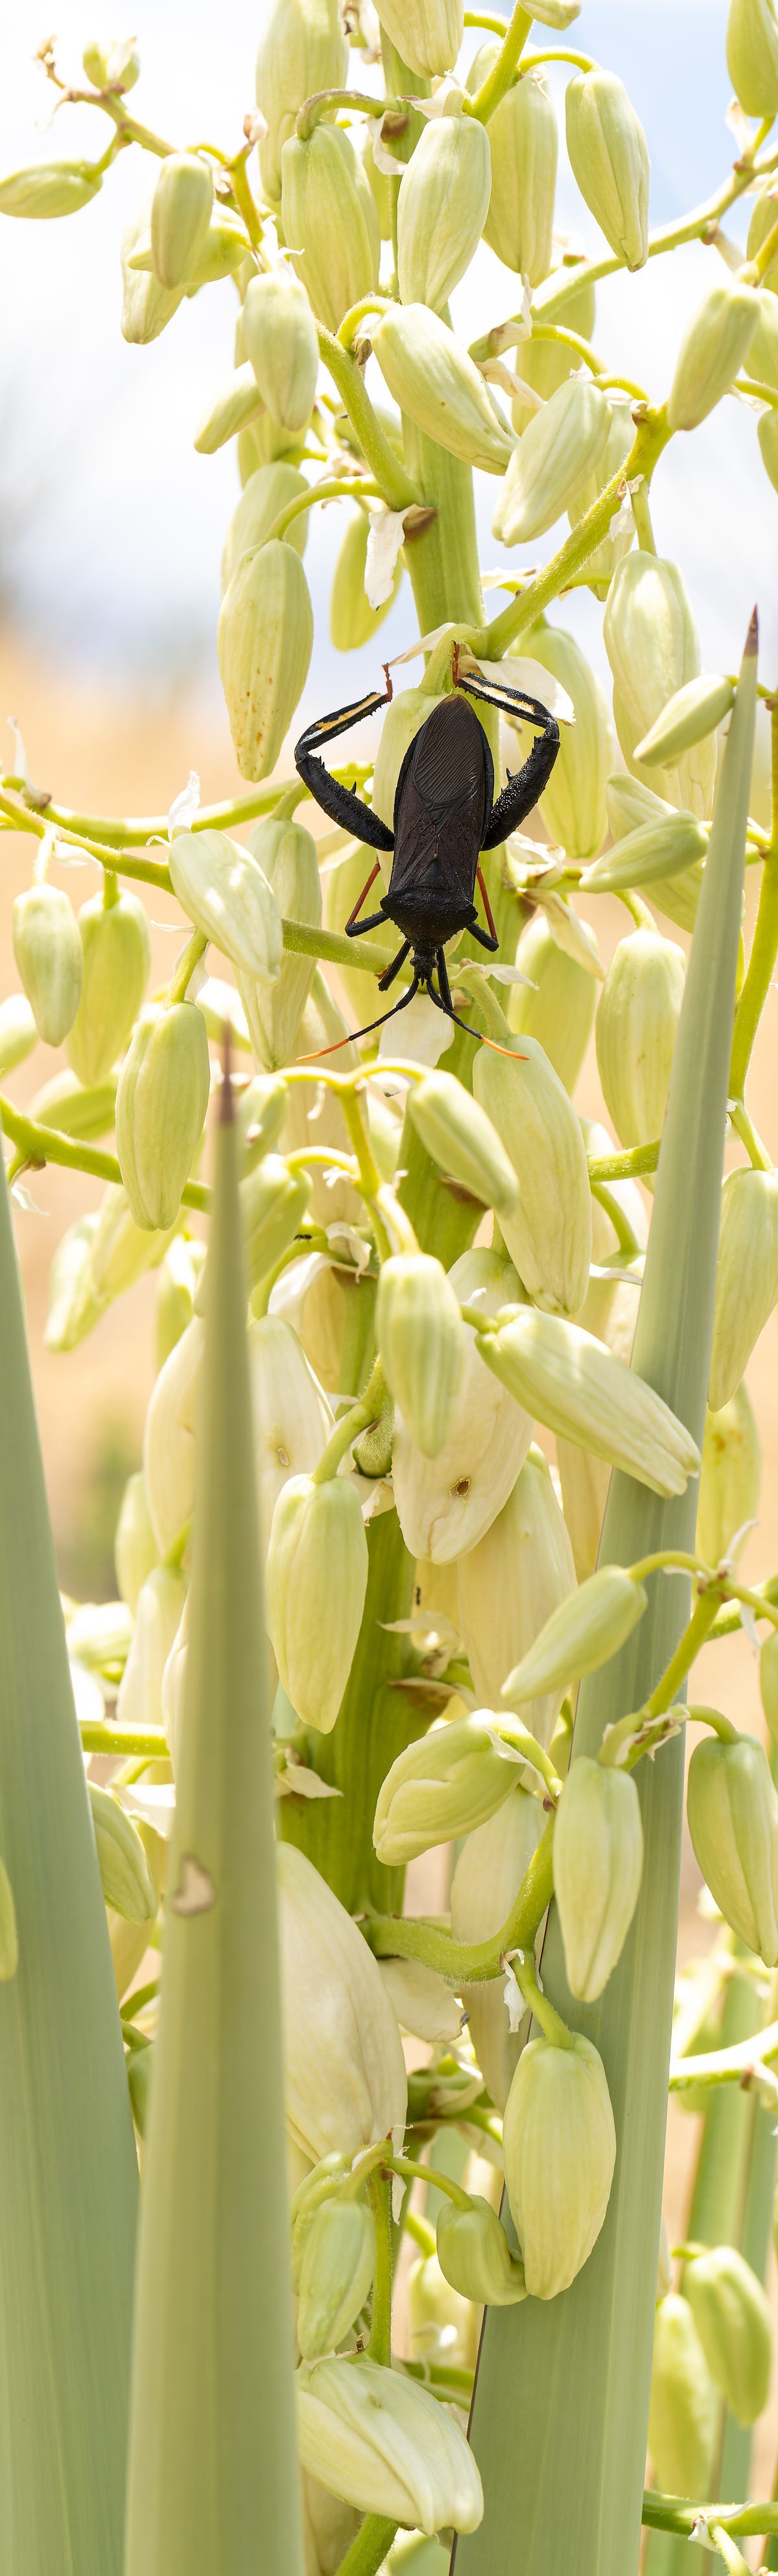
(445, 1270)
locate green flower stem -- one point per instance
(306, 1158)
(244, 201)
(380, 2344)
(358, 1418)
(40, 1145)
(629, 1166)
(694, 1636)
(757, 267)
(559, 54)
(737, 2065)
(675, 2513)
(626, 1236)
(189, 959)
(332, 946)
(551, 2023)
(393, 483)
(322, 100)
(140, 1997)
(411, 2171)
(744, 1128)
(479, 1961)
(764, 393)
(652, 435)
(499, 79)
(367, 2553)
(132, 832)
(676, 1560)
(334, 487)
(764, 946)
(98, 1737)
(373, 303)
(693, 227)
(728, 2550)
(442, 551)
(523, 1742)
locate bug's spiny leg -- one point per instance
(374, 872)
(389, 972)
(480, 881)
(523, 788)
(443, 983)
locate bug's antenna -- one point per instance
(353, 1034)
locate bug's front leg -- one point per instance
(342, 803)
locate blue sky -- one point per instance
(114, 526)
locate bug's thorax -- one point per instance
(444, 795)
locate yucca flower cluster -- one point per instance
(449, 1455)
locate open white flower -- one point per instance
(386, 2446)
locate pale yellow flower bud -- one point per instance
(442, 206)
(462, 1140)
(752, 55)
(180, 215)
(581, 1634)
(648, 856)
(585, 1393)
(316, 1579)
(435, 381)
(486, 1881)
(427, 33)
(227, 896)
(352, 620)
(158, 1614)
(598, 1862)
(609, 157)
(558, 451)
(474, 2254)
(652, 647)
(267, 492)
(134, 1547)
(546, 363)
(559, 2142)
(146, 305)
(441, 1787)
(47, 949)
(712, 351)
(421, 1338)
(337, 2270)
(682, 2419)
(285, 856)
(731, 1475)
(48, 188)
(160, 1109)
(237, 401)
(303, 49)
(292, 1421)
(732, 1810)
(385, 2445)
(281, 343)
(329, 220)
(556, 1005)
(442, 2326)
(511, 1583)
(264, 639)
(345, 2084)
(746, 1276)
(768, 1680)
(601, 565)
(573, 806)
(18, 1032)
(732, 2318)
(124, 1871)
(445, 1504)
(636, 1028)
(549, 1234)
(116, 959)
(523, 145)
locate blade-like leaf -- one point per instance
(561, 2404)
(213, 2476)
(68, 2171)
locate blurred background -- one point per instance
(111, 530)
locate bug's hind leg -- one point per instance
(389, 972)
(443, 1000)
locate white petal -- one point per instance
(387, 530)
(184, 806)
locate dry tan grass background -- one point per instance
(98, 753)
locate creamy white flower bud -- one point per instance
(267, 492)
(227, 896)
(316, 1579)
(345, 2084)
(135, 1547)
(556, 1006)
(746, 1277)
(157, 1618)
(180, 215)
(510, 1584)
(712, 350)
(695, 711)
(336, 2272)
(441, 1787)
(730, 1479)
(580, 1635)
(446, 1504)
(586, 1393)
(48, 954)
(435, 381)
(281, 343)
(752, 55)
(442, 2326)
(549, 1234)
(598, 1862)
(636, 1029)
(427, 33)
(732, 1811)
(682, 2419)
(558, 450)
(285, 856)
(524, 147)
(264, 640)
(124, 1871)
(573, 806)
(462, 1140)
(385, 2445)
(292, 1421)
(609, 158)
(486, 1881)
(302, 49)
(442, 205)
(424, 2004)
(330, 221)
(652, 647)
(732, 2317)
(421, 1338)
(559, 2142)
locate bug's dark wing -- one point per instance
(444, 793)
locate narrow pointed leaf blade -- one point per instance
(68, 2170)
(213, 2480)
(561, 2403)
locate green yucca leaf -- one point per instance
(68, 2172)
(213, 2485)
(561, 2404)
